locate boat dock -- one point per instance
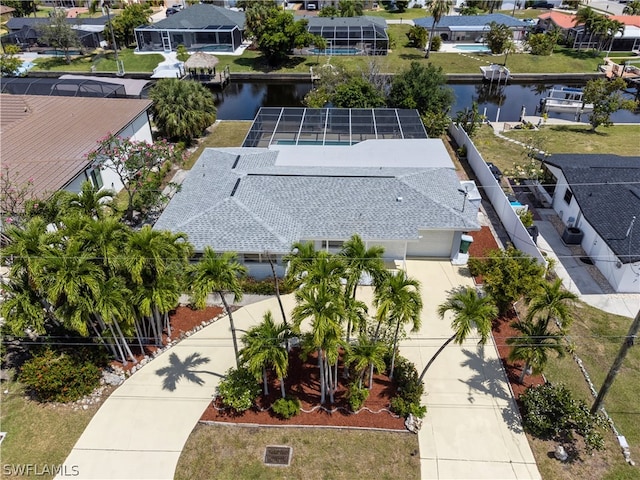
(565, 100)
(210, 77)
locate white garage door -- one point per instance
(432, 244)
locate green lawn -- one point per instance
(597, 336)
(229, 452)
(556, 139)
(104, 62)
(408, 14)
(38, 433)
(229, 133)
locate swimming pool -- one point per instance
(335, 51)
(24, 68)
(214, 48)
(60, 53)
(473, 48)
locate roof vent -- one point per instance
(235, 187)
(235, 164)
(398, 199)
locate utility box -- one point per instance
(465, 243)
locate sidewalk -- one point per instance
(140, 430)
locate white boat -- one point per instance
(565, 100)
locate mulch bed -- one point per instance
(303, 382)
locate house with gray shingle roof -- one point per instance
(363, 35)
(600, 195)
(202, 28)
(401, 194)
(469, 28)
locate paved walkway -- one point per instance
(472, 428)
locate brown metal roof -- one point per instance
(48, 138)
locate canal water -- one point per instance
(241, 101)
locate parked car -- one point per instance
(311, 6)
(172, 11)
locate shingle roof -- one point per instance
(470, 21)
(200, 16)
(48, 138)
(607, 189)
(242, 200)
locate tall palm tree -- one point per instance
(91, 201)
(470, 311)
(552, 301)
(219, 273)
(437, 8)
(360, 260)
(363, 354)
(265, 347)
(399, 302)
(21, 306)
(588, 17)
(105, 238)
(533, 344)
(321, 304)
(300, 260)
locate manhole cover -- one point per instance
(278, 455)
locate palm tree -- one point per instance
(632, 8)
(265, 347)
(552, 301)
(21, 306)
(220, 274)
(470, 311)
(321, 304)
(437, 8)
(300, 260)
(398, 301)
(91, 201)
(350, 8)
(358, 260)
(587, 17)
(533, 344)
(363, 354)
(105, 238)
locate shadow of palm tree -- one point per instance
(489, 378)
(179, 369)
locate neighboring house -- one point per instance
(25, 31)
(399, 193)
(202, 28)
(600, 195)
(6, 12)
(578, 37)
(471, 28)
(47, 138)
(352, 35)
(76, 86)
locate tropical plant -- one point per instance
(182, 109)
(541, 43)
(280, 34)
(499, 37)
(91, 201)
(265, 347)
(286, 407)
(410, 389)
(551, 302)
(508, 275)
(14, 193)
(329, 11)
(357, 396)
(438, 9)
(587, 17)
(133, 15)
(421, 87)
(606, 96)
(350, 8)
(470, 312)
(399, 303)
(300, 260)
(219, 273)
(417, 37)
(470, 119)
(357, 93)
(632, 8)
(134, 162)
(238, 389)
(532, 346)
(10, 62)
(551, 412)
(364, 353)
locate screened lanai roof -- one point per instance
(331, 126)
(364, 28)
(62, 87)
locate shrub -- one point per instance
(410, 388)
(266, 286)
(526, 217)
(403, 408)
(59, 377)
(551, 412)
(357, 396)
(238, 389)
(436, 43)
(286, 407)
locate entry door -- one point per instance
(166, 41)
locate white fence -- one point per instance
(493, 191)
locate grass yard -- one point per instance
(597, 336)
(104, 62)
(230, 133)
(38, 433)
(408, 14)
(229, 452)
(556, 139)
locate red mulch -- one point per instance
(182, 320)
(303, 382)
(483, 242)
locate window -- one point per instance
(96, 178)
(332, 244)
(251, 258)
(568, 196)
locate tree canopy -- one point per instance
(134, 15)
(499, 37)
(607, 98)
(9, 61)
(280, 34)
(59, 34)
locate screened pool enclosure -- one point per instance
(350, 35)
